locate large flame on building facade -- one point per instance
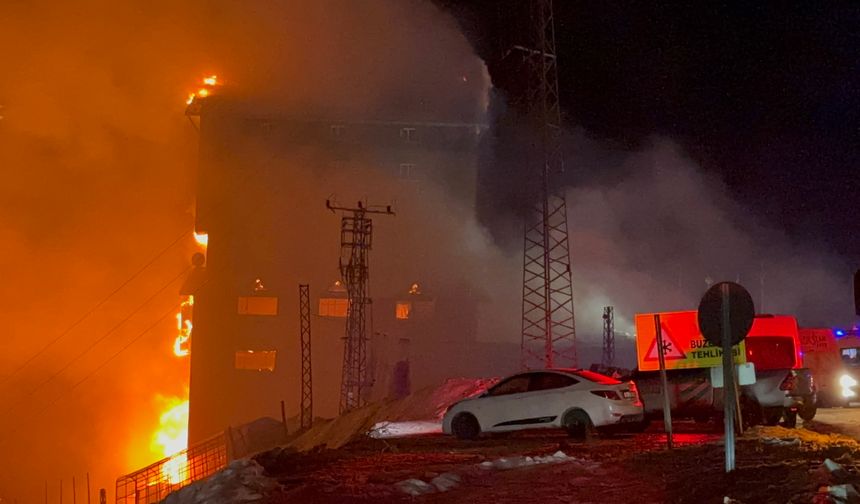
(171, 440)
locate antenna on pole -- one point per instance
(548, 324)
(356, 240)
(608, 359)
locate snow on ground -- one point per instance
(388, 430)
(241, 481)
(449, 480)
(421, 408)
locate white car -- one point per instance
(573, 399)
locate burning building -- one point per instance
(265, 174)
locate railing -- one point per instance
(153, 483)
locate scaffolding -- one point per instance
(356, 240)
(305, 330)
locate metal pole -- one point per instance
(667, 408)
(728, 381)
(61, 491)
(46, 492)
(88, 488)
(284, 419)
(74, 491)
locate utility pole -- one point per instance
(356, 240)
(548, 324)
(608, 359)
(307, 415)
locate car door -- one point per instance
(497, 410)
(548, 394)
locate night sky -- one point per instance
(765, 94)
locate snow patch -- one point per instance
(387, 430)
(241, 481)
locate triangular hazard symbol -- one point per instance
(671, 349)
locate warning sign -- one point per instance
(684, 346)
(671, 349)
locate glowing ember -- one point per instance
(212, 80)
(171, 439)
(190, 99)
(202, 239)
(202, 92)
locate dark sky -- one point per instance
(766, 94)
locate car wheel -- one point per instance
(771, 416)
(790, 418)
(578, 425)
(465, 426)
(807, 412)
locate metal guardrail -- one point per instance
(155, 482)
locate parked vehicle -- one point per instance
(783, 388)
(576, 400)
(822, 356)
(849, 350)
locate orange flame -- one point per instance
(184, 326)
(212, 80)
(202, 239)
(172, 438)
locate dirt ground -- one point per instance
(629, 468)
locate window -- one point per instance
(402, 310)
(513, 385)
(256, 360)
(258, 305)
(333, 307)
(409, 134)
(596, 377)
(851, 356)
(408, 171)
(547, 381)
(770, 352)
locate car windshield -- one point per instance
(595, 377)
(770, 352)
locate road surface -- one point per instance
(840, 420)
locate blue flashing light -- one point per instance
(839, 332)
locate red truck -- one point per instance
(783, 388)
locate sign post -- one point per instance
(726, 314)
(664, 384)
(729, 377)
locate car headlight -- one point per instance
(846, 381)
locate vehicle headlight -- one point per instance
(846, 381)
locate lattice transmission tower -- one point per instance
(356, 240)
(608, 359)
(307, 405)
(548, 324)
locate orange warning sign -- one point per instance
(683, 345)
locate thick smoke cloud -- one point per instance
(98, 162)
(649, 229)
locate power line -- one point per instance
(96, 342)
(92, 310)
(94, 371)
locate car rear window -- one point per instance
(770, 352)
(595, 377)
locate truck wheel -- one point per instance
(790, 418)
(807, 412)
(771, 416)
